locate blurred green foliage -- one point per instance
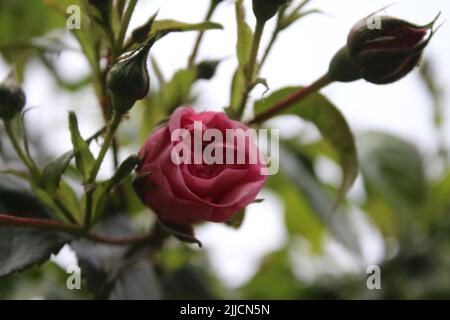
(403, 197)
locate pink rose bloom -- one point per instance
(191, 193)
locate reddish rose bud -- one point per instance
(192, 192)
(382, 53)
(12, 98)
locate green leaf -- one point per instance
(331, 124)
(244, 36)
(166, 26)
(296, 16)
(103, 189)
(16, 36)
(47, 201)
(300, 217)
(83, 157)
(183, 232)
(124, 170)
(393, 170)
(88, 35)
(70, 200)
(15, 199)
(54, 171)
(274, 279)
(177, 91)
(237, 220)
(110, 271)
(137, 282)
(189, 282)
(317, 202)
(171, 95)
(22, 248)
(438, 202)
(237, 87)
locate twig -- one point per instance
(292, 99)
(79, 231)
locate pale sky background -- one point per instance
(301, 55)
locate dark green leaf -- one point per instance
(109, 271)
(55, 169)
(123, 171)
(83, 156)
(331, 124)
(137, 282)
(393, 170)
(21, 248)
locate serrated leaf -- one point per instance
(332, 126)
(109, 271)
(83, 157)
(21, 248)
(55, 169)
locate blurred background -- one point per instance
(396, 215)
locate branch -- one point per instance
(79, 231)
(297, 96)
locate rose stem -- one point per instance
(297, 96)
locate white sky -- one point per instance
(301, 55)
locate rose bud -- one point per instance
(12, 98)
(195, 191)
(381, 55)
(207, 69)
(265, 10)
(128, 80)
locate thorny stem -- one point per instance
(292, 99)
(201, 34)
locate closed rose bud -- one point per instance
(188, 192)
(266, 9)
(128, 80)
(207, 69)
(12, 98)
(381, 55)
